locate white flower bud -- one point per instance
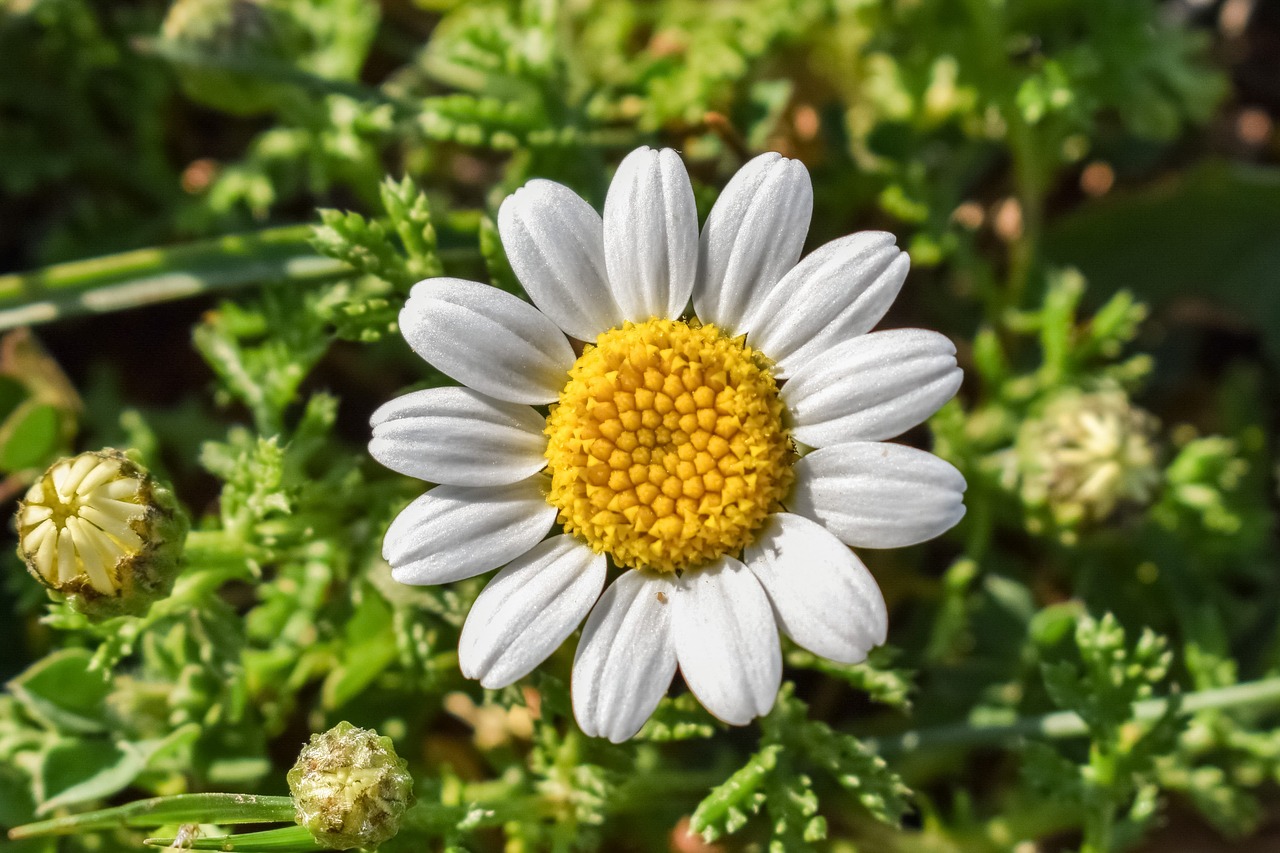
(99, 531)
(1086, 453)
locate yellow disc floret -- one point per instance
(666, 449)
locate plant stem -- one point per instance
(144, 276)
(1067, 724)
(158, 811)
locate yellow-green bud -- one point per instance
(1086, 453)
(99, 531)
(350, 788)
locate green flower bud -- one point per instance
(235, 31)
(350, 788)
(1085, 454)
(99, 531)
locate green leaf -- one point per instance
(77, 771)
(362, 243)
(410, 214)
(281, 840)
(12, 393)
(29, 437)
(369, 649)
(726, 809)
(853, 764)
(678, 718)
(793, 812)
(63, 692)
(1046, 772)
(873, 676)
(1209, 233)
(859, 770)
(1110, 677)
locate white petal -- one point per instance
(871, 387)
(454, 532)
(555, 243)
(458, 436)
(651, 235)
(823, 596)
(840, 290)
(878, 495)
(727, 641)
(626, 658)
(487, 339)
(529, 609)
(752, 237)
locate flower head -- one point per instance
(350, 788)
(1086, 453)
(720, 462)
(100, 531)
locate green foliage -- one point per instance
(366, 308)
(1113, 427)
(772, 778)
(1116, 790)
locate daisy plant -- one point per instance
(688, 482)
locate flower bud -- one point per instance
(98, 530)
(350, 788)
(1086, 453)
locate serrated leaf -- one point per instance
(727, 807)
(410, 214)
(852, 764)
(678, 718)
(364, 244)
(793, 808)
(874, 677)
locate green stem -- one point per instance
(159, 811)
(288, 839)
(1104, 793)
(144, 276)
(1068, 724)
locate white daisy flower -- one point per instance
(721, 464)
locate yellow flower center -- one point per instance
(666, 449)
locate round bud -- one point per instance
(1086, 453)
(100, 532)
(350, 788)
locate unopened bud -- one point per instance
(98, 530)
(350, 788)
(1086, 453)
